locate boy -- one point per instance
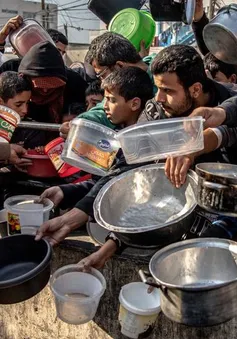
(15, 92)
(126, 92)
(219, 70)
(94, 94)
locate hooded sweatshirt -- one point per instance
(44, 60)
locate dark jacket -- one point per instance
(198, 27)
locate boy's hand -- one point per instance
(64, 129)
(12, 24)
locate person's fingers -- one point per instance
(179, 164)
(167, 168)
(172, 170)
(184, 170)
(23, 162)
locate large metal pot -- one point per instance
(197, 280)
(145, 208)
(217, 188)
(220, 35)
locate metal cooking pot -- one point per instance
(220, 35)
(197, 280)
(217, 188)
(145, 208)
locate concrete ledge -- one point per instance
(36, 318)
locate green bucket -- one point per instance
(134, 25)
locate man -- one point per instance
(108, 52)
(60, 40)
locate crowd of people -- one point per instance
(178, 82)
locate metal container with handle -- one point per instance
(220, 35)
(197, 280)
(217, 188)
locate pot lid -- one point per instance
(197, 264)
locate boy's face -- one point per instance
(92, 100)
(18, 103)
(119, 111)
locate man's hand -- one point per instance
(57, 229)
(199, 10)
(16, 155)
(176, 169)
(64, 129)
(214, 116)
(55, 194)
(12, 24)
(144, 52)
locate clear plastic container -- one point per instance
(27, 35)
(160, 139)
(24, 211)
(90, 146)
(77, 294)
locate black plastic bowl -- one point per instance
(24, 267)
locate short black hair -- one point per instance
(109, 48)
(13, 83)
(130, 82)
(76, 108)
(183, 60)
(95, 88)
(214, 65)
(57, 36)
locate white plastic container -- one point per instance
(138, 309)
(90, 146)
(159, 139)
(77, 294)
(24, 215)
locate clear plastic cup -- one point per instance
(77, 294)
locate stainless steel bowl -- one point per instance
(143, 200)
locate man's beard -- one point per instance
(184, 110)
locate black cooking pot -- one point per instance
(24, 267)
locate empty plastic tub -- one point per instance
(134, 25)
(90, 146)
(138, 309)
(77, 294)
(156, 140)
(23, 211)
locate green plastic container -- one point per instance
(134, 25)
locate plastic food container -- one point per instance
(9, 120)
(134, 25)
(156, 140)
(41, 165)
(27, 35)
(90, 146)
(77, 294)
(138, 309)
(22, 211)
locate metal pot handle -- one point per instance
(148, 279)
(215, 186)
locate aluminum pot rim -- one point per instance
(202, 172)
(120, 229)
(225, 244)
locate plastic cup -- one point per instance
(9, 120)
(138, 309)
(77, 294)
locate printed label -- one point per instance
(104, 145)
(55, 156)
(6, 129)
(94, 154)
(132, 325)
(14, 225)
